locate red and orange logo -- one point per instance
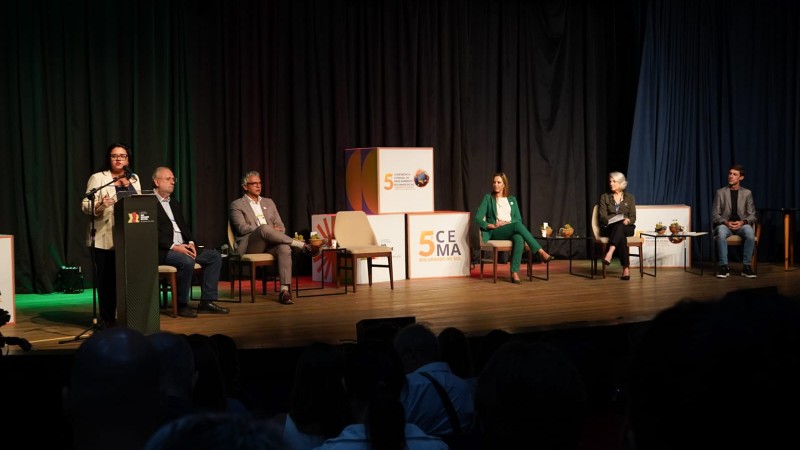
(133, 217)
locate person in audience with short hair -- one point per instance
(178, 373)
(115, 170)
(239, 398)
(617, 214)
(734, 212)
(373, 380)
(530, 393)
(258, 228)
(210, 393)
(418, 349)
(176, 247)
(487, 346)
(456, 352)
(319, 408)
(113, 399)
(499, 218)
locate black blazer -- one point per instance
(165, 230)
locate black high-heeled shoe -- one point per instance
(548, 259)
(606, 263)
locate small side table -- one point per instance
(574, 237)
(323, 251)
(683, 235)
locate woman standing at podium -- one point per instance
(108, 184)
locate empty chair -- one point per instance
(357, 239)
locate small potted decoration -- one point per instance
(675, 227)
(547, 231)
(315, 239)
(567, 231)
(660, 228)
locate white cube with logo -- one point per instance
(381, 180)
(438, 244)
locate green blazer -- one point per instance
(487, 214)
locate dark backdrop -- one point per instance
(547, 91)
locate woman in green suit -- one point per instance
(498, 217)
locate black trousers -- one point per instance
(617, 234)
(106, 283)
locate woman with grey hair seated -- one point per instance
(617, 212)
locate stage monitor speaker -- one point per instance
(381, 330)
(136, 248)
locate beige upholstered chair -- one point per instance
(355, 235)
(254, 261)
(601, 242)
(489, 252)
(168, 279)
(736, 240)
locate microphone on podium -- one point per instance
(128, 174)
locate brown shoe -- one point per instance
(285, 297)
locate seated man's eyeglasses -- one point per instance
(254, 183)
(168, 179)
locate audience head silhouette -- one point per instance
(178, 374)
(455, 351)
(114, 394)
(417, 346)
(531, 393)
(318, 403)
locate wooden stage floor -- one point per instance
(475, 306)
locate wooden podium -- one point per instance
(136, 248)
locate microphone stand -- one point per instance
(95, 326)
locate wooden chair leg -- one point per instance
(494, 265)
(480, 252)
(391, 272)
(252, 283)
(173, 282)
(641, 263)
(353, 262)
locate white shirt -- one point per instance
(256, 206)
(177, 236)
(503, 209)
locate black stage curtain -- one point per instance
(543, 90)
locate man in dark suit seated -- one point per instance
(176, 247)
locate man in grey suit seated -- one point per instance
(258, 228)
(734, 212)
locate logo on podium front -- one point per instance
(139, 217)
